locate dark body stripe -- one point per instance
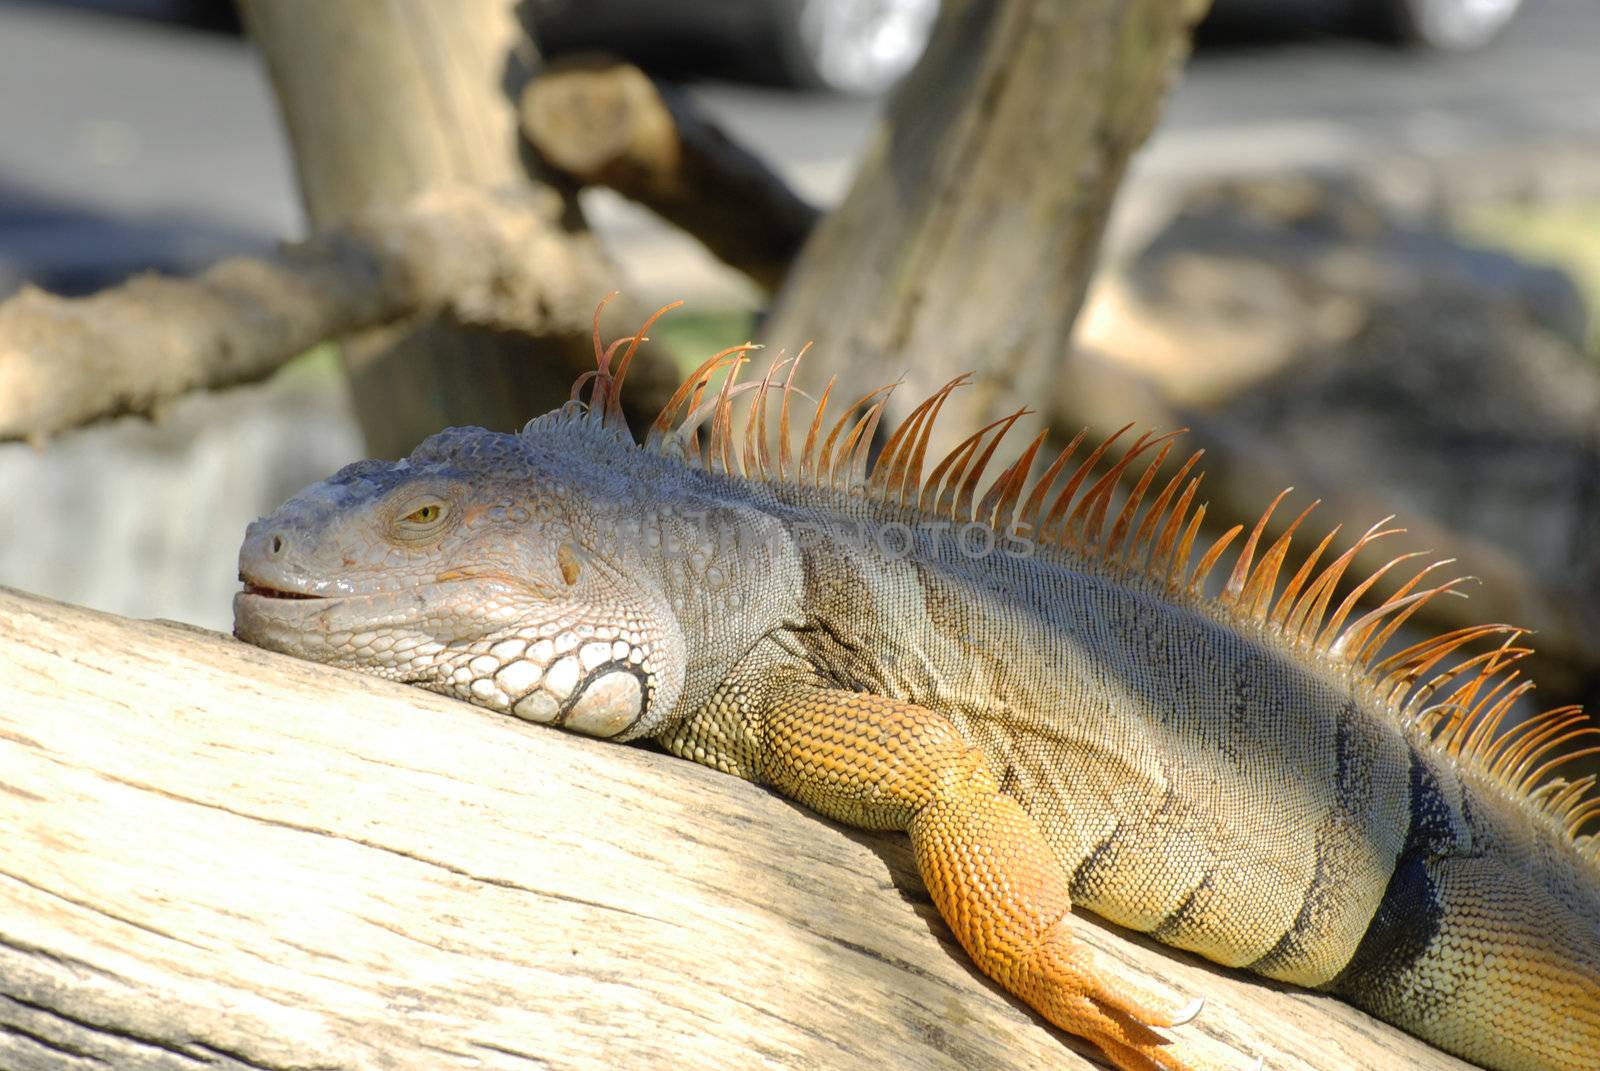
(1409, 917)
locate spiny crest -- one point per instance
(1461, 706)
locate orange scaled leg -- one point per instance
(884, 764)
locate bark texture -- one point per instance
(384, 99)
(603, 122)
(971, 231)
(219, 857)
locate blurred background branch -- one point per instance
(465, 255)
(384, 99)
(600, 121)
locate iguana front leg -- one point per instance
(884, 764)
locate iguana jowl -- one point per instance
(1031, 683)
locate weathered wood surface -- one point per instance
(217, 857)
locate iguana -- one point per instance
(1027, 676)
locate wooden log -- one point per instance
(603, 122)
(218, 857)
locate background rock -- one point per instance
(1382, 357)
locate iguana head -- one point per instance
(488, 566)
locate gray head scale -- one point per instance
(485, 566)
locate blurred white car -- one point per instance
(1443, 25)
(860, 47)
(1449, 25)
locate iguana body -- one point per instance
(1029, 682)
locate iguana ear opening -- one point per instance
(571, 567)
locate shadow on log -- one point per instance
(219, 857)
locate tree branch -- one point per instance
(969, 235)
(487, 259)
(603, 122)
(221, 857)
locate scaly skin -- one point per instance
(1050, 724)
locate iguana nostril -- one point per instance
(275, 544)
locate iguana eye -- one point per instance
(423, 518)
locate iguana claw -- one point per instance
(1187, 1013)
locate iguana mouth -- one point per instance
(251, 588)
